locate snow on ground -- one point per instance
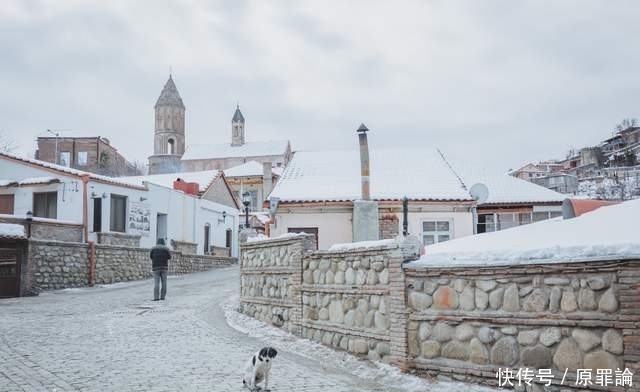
(610, 232)
(382, 373)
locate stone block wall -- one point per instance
(56, 265)
(471, 322)
(53, 265)
(119, 239)
(351, 299)
(49, 229)
(270, 281)
(345, 300)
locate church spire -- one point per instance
(170, 95)
(237, 128)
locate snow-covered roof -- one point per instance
(11, 230)
(203, 178)
(70, 171)
(29, 181)
(610, 232)
(249, 149)
(248, 169)
(417, 174)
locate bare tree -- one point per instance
(626, 124)
(7, 144)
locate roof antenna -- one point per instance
(170, 71)
(451, 168)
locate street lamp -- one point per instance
(246, 200)
(29, 219)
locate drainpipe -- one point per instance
(364, 160)
(85, 228)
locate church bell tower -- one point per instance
(169, 140)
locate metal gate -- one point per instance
(9, 272)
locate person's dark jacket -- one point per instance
(160, 256)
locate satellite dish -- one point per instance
(479, 192)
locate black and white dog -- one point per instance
(258, 369)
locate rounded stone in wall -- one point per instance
(538, 357)
(360, 346)
(424, 331)
(445, 298)
(339, 277)
(505, 351)
(374, 301)
(495, 298)
(488, 335)
(528, 338)
(377, 266)
(612, 342)
(368, 318)
(349, 318)
(430, 349)
(568, 303)
(537, 301)
(550, 336)
(586, 340)
(464, 332)
(482, 299)
(608, 302)
(419, 301)
(358, 320)
(381, 321)
(596, 283)
(511, 299)
(329, 277)
(442, 332)
(568, 355)
(372, 277)
(383, 348)
(456, 350)
(478, 353)
(587, 299)
(350, 276)
(486, 285)
(601, 360)
(468, 299)
(327, 338)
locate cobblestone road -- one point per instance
(114, 338)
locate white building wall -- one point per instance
(334, 227)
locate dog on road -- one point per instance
(258, 369)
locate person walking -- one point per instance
(160, 256)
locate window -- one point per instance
(82, 158)
(436, 231)
(65, 159)
(118, 213)
(207, 234)
(171, 147)
(6, 204)
(45, 205)
(254, 201)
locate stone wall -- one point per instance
(342, 298)
(119, 239)
(464, 323)
(270, 281)
(55, 265)
(49, 229)
(470, 322)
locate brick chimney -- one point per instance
(364, 161)
(267, 175)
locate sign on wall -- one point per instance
(139, 218)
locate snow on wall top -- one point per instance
(11, 230)
(249, 149)
(203, 178)
(610, 232)
(417, 174)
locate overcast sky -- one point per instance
(500, 83)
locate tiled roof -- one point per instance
(249, 149)
(417, 174)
